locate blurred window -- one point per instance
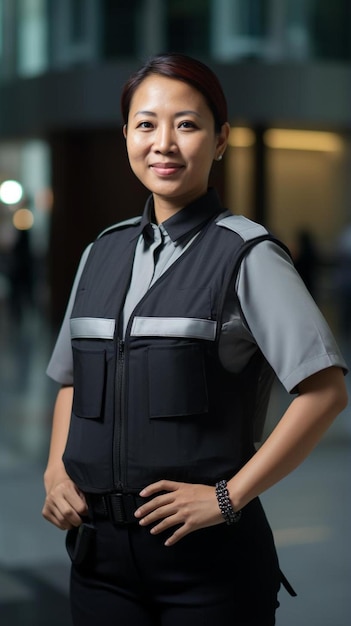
(74, 31)
(281, 29)
(251, 17)
(1, 27)
(32, 54)
(330, 27)
(36, 35)
(188, 26)
(244, 28)
(77, 20)
(119, 28)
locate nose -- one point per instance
(165, 141)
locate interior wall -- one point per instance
(93, 188)
(306, 190)
(239, 180)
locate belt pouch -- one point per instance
(79, 541)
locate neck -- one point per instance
(163, 213)
(164, 209)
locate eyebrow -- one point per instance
(179, 114)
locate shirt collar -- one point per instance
(189, 219)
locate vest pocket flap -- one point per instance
(177, 380)
(89, 375)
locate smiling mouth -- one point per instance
(166, 169)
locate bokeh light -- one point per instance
(23, 219)
(11, 192)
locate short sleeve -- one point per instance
(60, 366)
(283, 318)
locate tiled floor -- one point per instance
(310, 511)
(33, 565)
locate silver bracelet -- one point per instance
(225, 505)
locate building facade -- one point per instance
(284, 65)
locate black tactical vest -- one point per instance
(158, 404)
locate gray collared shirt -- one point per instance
(155, 252)
(277, 312)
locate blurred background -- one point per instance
(285, 66)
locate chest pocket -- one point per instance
(176, 363)
(90, 375)
(92, 348)
(177, 381)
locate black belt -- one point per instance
(119, 508)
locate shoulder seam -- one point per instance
(133, 221)
(246, 228)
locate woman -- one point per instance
(176, 323)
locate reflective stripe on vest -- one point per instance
(100, 328)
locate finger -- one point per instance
(77, 501)
(165, 513)
(156, 505)
(161, 485)
(54, 516)
(62, 510)
(165, 524)
(69, 493)
(176, 536)
(181, 531)
(61, 515)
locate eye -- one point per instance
(145, 125)
(187, 124)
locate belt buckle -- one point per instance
(115, 508)
(120, 508)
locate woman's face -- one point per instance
(171, 141)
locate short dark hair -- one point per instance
(184, 68)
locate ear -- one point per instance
(125, 131)
(222, 139)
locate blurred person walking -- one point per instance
(177, 323)
(21, 276)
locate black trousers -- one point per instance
(218, 575)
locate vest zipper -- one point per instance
(118, 449)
